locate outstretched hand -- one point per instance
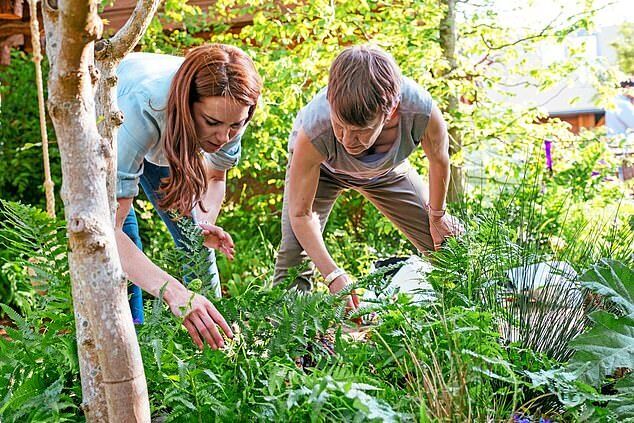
(353, 299)
(218, 239)
(444, 227)
(201, 318)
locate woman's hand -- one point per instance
(444, 227)
(201, 319)
(218, 239)
(340, 283)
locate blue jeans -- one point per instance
(150, 182)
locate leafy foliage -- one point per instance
(623, 405)
(39, 369)
(614, 281)
(624, 49)
(602, 352)
(292, 357)
(295, 357)
(21, 169)
(609, 345)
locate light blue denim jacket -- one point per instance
(144, 81)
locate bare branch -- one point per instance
(540, 34)
(474, 28)
(470, 3)
(575, 18)
(523, 83)
(129, 35)
(554, 96)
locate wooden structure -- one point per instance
(11, 10)
(117, 14)
(581, 119)
(15, 31)
(14, 27)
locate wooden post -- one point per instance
(11, 9)
(6, 45)
(37, 60)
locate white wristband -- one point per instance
(334, 275)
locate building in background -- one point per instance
(573, 99)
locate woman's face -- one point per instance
(354, 139)
(218, 120)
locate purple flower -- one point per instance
(549, 158)
(517, 418)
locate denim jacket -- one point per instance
(144, 82)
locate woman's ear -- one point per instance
(392, 114)
(251, 113)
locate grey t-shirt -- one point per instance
(414, 109)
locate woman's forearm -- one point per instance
(212, 201)
(307, 229)
(439, 174)
(142, 272)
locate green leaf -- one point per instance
(157, 349)
(623, 404)
(607, 346)
(32, 386)
(20, 322)
(613, 280)
(566, 385)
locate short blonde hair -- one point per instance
(364, 81)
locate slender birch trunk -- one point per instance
(448, 37)
(113, 379)
(94, 402)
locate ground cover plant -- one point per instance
(481, 350)
(296, 356)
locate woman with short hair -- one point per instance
(358, 133)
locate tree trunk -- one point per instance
(448, 45)
(93, 395)
(113, 380)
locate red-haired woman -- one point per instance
(183, 122)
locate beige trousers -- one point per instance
(400, 195)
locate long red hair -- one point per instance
(211, 70)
